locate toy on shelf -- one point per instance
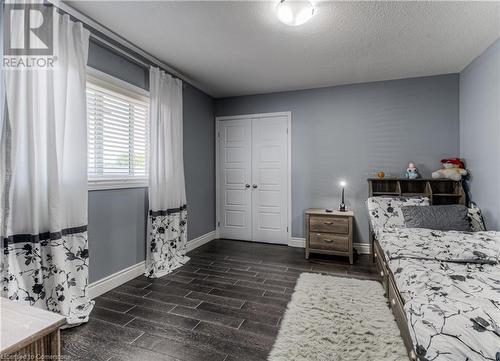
(453, 168)
(412, 171)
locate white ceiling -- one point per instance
(238, 48)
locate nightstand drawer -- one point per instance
(330, 242)
(329, 224)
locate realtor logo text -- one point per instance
(28, 36)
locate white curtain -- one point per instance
(166, 249)
(2, 87)
(44, 181)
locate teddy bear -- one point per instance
(453, 168)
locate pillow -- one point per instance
(476, 219)
(452, 217)
(385, 212)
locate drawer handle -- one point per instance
(382, 273)
(328, 240)
(328, 223)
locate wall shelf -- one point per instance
(439, 191)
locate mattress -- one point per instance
(450, 286)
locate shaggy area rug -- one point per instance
(338, 319)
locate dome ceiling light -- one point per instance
(294, 12)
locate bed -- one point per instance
(443, 286)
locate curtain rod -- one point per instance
(115, 37)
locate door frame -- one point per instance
(218, 121)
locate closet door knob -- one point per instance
(247, 185)
(254, 186)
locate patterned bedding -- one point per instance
(449, 246)
(450, 284)
(385, 212)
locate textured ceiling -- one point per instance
(237, 48)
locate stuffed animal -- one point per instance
(412, 171)
(453, 169)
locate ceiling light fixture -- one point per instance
(294, 12)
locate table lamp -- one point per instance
(342, 204)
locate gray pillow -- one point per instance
(443, 218)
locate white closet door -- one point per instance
(235, 178)
(269, 179)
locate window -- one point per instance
(117, 135)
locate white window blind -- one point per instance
(117, 135)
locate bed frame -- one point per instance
(439, 191)
(395, 300)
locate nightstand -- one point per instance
(329, 232)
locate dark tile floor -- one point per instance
(226, 304)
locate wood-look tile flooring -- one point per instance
(226, 304)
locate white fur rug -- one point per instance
(333, 318)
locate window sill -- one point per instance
(97, 185)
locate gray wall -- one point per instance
(117, 218)
(480, 131)
(199, 161)
(350, 132)
(117, 230)
(109, 61)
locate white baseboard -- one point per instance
(200, 241)
(116, 279)
(297, 242)
(362, 248)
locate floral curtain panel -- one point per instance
(167, 223)
(49, 271)
(43, 181)
(167, 244)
